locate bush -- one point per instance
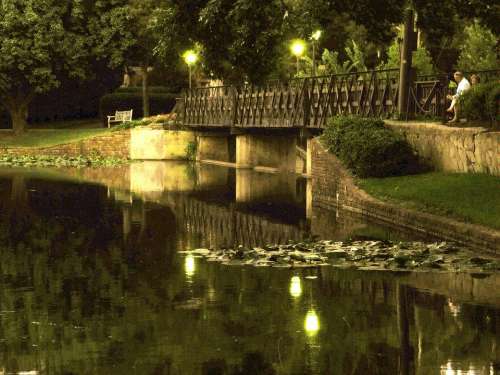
(480, 103)
(368, 148)
(122, 101)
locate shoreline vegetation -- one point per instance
(44, 161)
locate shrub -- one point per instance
(368, 148)
(120, 101)
(480, 103)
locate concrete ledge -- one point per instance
(333, 187)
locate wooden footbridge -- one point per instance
(299, 103)
(309, 102)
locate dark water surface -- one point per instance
(91, 283)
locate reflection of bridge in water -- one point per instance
(223, 206)
(218, 206)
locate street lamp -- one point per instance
(298, 48)
(190, 58)
(315, 38)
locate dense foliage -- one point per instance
(422, 61)
(480, 103)
(368, 148)
(43, 41)
(478, 51)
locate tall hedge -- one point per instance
(368, 148)
(124, 101)
(481, 103)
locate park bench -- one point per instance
(120, 116)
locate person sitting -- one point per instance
(475, 79)
(463, 86)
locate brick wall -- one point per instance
(334, 188)
(115, 144)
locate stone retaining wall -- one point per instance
(115, 144)
(452, 149)
(157, 143)
(334, 188)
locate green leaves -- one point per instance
(367, 148)
(477, 51)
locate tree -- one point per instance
(422, 61)
(143, 16)
(241, 39)
(42, 40)
(478, 49)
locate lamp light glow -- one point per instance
(190, 57)
(295, 287)
(298, 47)
(316, 35)
(311, 324)
(189, 266)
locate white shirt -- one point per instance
(463, 86)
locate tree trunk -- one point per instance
(18, 111)
(145, 91)
(405, 65)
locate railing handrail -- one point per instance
(298, 79)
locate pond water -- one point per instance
(91, 282)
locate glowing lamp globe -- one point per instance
(316, 35)
(190, 57)
(298, 47)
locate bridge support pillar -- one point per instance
(257, 187)
(213, 147)
(274, 151)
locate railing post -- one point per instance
(234, 107)
(306, 103)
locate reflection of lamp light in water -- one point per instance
(189, 265)
(454, 308)
(311, 324)
(449, 370)
(295, 287)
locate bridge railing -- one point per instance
(209, 106)
(305, 102)
(372, 93)
(309, 102)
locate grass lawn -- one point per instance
(69, 124)
(474, 198)
(48, 137)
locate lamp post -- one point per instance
(315, 38)
(190, 58)
(298, 48)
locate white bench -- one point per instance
(120, 116)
